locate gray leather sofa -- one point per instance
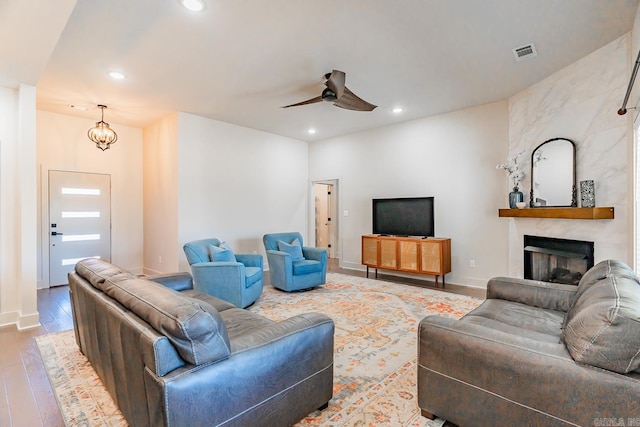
(171, 356)
(538, 354)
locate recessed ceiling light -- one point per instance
(397, 110)
(311, 131)
(116, 75)
(78, 107)
(193, 5)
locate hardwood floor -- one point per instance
(26, 397)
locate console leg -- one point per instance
(325, 406)
(367, 271)
(427, 414)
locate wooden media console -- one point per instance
(430, 256)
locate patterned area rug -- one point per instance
(375, 353)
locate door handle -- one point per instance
(56, 233)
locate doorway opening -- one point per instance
(325, 220)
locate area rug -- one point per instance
(374, 359)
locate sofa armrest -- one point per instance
(272, 359)
(176, 281)
(517, 377)
(250, 260)
(552, 296)
(278, 330)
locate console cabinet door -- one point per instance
(408, 250)
(388, 254)
(435, 256)
(370, 251)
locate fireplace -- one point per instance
(556, 260)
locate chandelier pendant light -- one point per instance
(102, 134)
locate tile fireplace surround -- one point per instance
(579, 102)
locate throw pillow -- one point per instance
(604, 330)
(598, 272)
(222, 253)
(294, 249)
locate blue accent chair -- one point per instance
(239, 282)
(293, 275)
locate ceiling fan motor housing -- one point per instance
(329, 95)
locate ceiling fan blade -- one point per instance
(308, 101)
(350, 101)
(335, 82)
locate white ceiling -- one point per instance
(239, 61)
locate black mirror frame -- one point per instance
(574, 193)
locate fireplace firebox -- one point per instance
(556, 260)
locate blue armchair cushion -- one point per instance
(222, 253)
(306, 266)
(294, 249)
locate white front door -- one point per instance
(79, 221)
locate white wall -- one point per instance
(234, 183)
(450, 156)
(634, 99)
(161, 196)
(580, 102)
(18, 223)
(63, 145)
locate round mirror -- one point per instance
(553, 174)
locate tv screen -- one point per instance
(411, 216)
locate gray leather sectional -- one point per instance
(172, 356)
(538, 354)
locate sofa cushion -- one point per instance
(602, 270)
(533, 323)
(192, 325)
(604, 327)
(217, 303)
(294, 249)
(222, 253)
(598, 272)
(96, 271)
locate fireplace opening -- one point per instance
(556, 260)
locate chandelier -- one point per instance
(102, 134)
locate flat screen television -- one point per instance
(408, 216)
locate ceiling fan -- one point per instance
(339, 94)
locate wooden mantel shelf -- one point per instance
(605, 212)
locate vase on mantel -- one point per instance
(515, 196)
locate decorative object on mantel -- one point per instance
(553, 174)
(515, 197)
(521, 205)
(102, 134)
(587, 194)
(623, 110)
(516, 175)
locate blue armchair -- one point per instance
(217, 271)
(293, 266)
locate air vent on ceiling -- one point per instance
(524, 52)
